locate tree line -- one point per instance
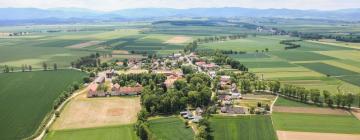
(317, 36)
(87, 61)
(315, 96)
(290, 44)
(192, 46)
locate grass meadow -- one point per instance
(316, 123)
(170, 128)
(242, 128)
(26, 98)
(122, 132)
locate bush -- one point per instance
(86, 80)
(57, 114)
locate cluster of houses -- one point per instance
(171, 76)
(207, 66)
(95, 89)
(227, 93)
(193, 116)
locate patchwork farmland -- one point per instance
(181, 79)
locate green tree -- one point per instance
(350, 98)
(55, 66)
(326, 95)
(338, 99)
(44, 65)
(358, 96)
(187, 69)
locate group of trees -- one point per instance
(302, 35)
(8, 69)
(45, 66)
(87, 61)
(194, 91)
(221, 38)
(142, 126)
(316, 36)
(203, 132)
(192, 46)
(144, 79)
(222, 59)
(289, 44)
(26, 68)
(317, 97)
(349, 38)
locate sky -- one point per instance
(110, 5)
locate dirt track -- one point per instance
(310, 110)
(288, 135)
(85, 112)
(356, 113)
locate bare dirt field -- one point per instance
(178, 40)
(4, 34)
(310, 110)
(120, 52)
(84, 112)
(356, 113)
(83, 45)
(288, 135)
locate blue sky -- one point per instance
(108, 5)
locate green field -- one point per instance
(328, 69)
(170, 128)
(310, 46)
(281, 101)
(354, 79)
(293, 55)
(26, 98)
(242, 128)
(316, 123)
(268, 64)
(123, 132)
(250, 44)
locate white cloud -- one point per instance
(107, 5)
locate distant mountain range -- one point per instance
(63, 14)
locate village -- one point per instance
(230, 101)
